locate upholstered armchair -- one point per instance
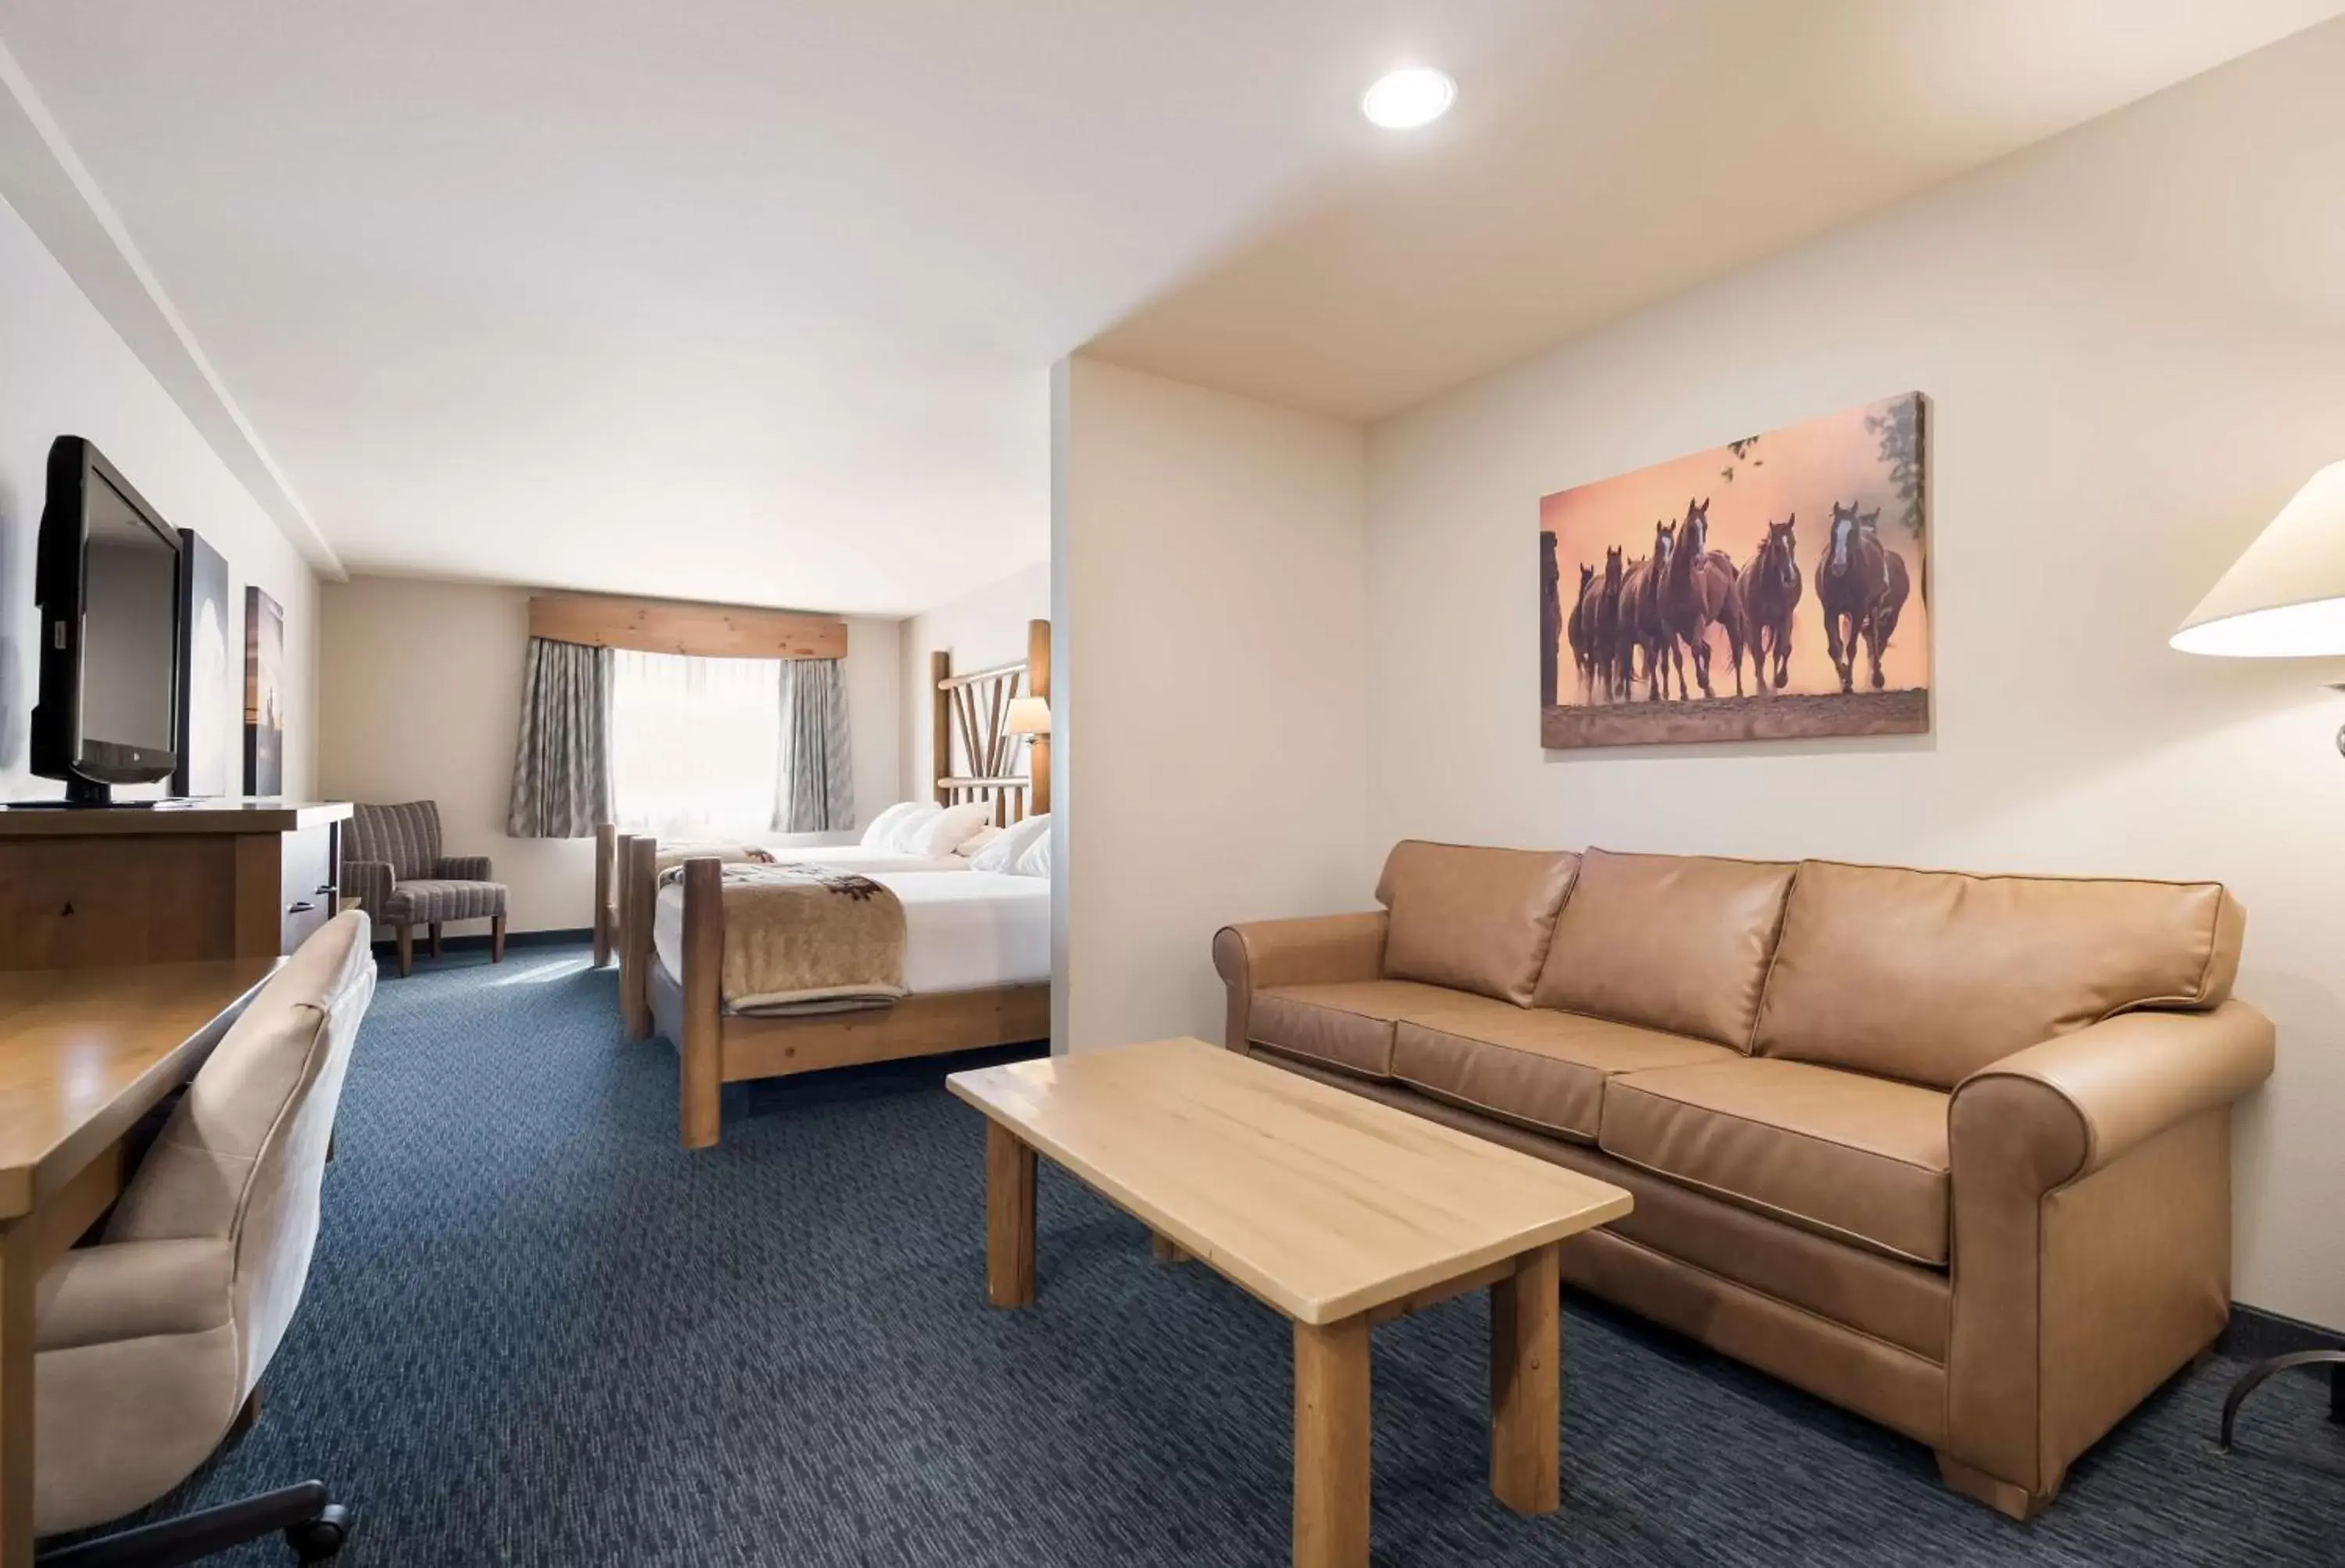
(150, 1344)
(391, 865)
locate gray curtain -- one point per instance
(561, 762)
(815, 792)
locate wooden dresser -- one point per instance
(166, 884)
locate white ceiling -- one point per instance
(1573, 188)
(754, 299)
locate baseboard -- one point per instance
(479, 942)
(2254, 1334)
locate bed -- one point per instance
(975, 946)
(612, 848)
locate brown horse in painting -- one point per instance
(1581, 632)
(1641, 623)
(1852, 581)
(1897, 586)
(1767, 589)
(1604, 627)
(1698, 594)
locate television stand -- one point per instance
(211, 878)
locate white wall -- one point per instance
(421, 685)
(980, 629)
(875, 705)
(1208, 712)
(64, 371)
(2135, 340)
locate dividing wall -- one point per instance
(1208, 707)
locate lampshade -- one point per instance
(2285, 597)
(1030, 716)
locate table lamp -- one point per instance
(1031, 715)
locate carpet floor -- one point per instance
(537, 1332)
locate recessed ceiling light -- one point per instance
(1411, 96)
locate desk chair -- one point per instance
(151, 1344)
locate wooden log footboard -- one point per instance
(714, 1048)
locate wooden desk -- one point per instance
(84, 1053)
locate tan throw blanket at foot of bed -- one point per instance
(809, 939)
(671, 856)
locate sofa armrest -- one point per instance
(134, 1290)
(462, 868)
(1318, 950)
(2091, 1189)
(367, 883)
(2088, 1097)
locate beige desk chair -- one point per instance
(150, 1343)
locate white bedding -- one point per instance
(961, 933)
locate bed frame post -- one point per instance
(606, 845)
(635, 895)
(701, 1052)
(1038, 684)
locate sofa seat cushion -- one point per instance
(1541, 1068)
(1860, 1158)
(1348, 1024)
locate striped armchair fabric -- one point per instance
(393, 867)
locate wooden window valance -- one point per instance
(681, 627)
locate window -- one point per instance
(695, 743)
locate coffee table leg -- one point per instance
(1165, 1249)
(1331, 1444)
(1527, 1384)
(1008, 1218)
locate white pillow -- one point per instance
(1003, 852)
(1034, 860)
(882, 830)
(900, 837)
(948, 830)
(977, 841)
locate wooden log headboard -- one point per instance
(975, 757)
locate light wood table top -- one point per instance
(1319, 1203)
(85, 1053)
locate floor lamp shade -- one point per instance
(2285, 596)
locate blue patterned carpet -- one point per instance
(539, 1333)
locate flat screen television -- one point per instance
(107, 581)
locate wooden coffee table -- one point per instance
(1338, 1211)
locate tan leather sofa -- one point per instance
(1951, 1151)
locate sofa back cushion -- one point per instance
(1678, 942)
(1929, 976)
(1471, 919)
